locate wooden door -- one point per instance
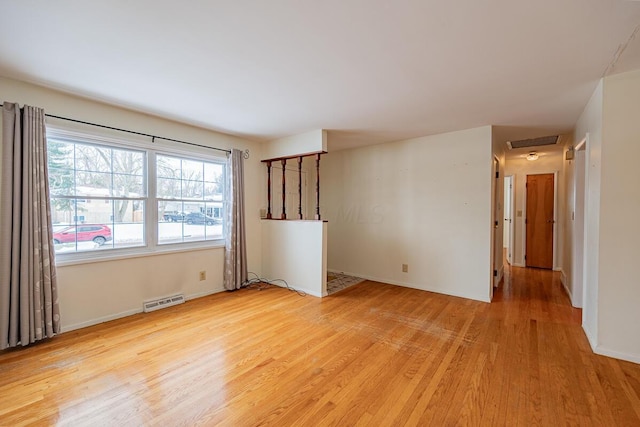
(539, 221)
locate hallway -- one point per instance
(550, 372)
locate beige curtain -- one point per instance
(28, 290)
(235, 257)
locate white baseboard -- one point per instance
(109, 317)
(499, 276)
(204, 294)
(306, 291)
(568, 292)
(563, 280)
(603, 351)
(590, 337)
(515, 264)
(412, 286)
(635, 358)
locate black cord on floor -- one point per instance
(260, 283)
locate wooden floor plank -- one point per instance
(372, 354)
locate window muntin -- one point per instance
(100, 187)
(190, 199)
(112, 185)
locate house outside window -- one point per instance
(189, 194)
(111, 196)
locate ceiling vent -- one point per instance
(534, 142)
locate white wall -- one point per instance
(619, 279)
(100, 291)
(90, 293)
(296, 251)
(590, 122)
(295, 145)
(577, 247)
(573, 221)
(568, 221)
(425, 202)
(519, 168)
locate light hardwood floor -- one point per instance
(373, 354)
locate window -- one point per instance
(105, 194)
(189, 196)
(80, 173)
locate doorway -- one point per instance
(508, 234)
(498, 267)
(540, 220)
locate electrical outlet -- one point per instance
(203, 275)
(405, 268)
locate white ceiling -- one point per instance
(369, 71)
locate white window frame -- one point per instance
(189, 157)
(134, 142)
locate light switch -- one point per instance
(519, 214)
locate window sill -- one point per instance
(90, 258)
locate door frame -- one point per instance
(555, 173)
(512, 209)
(578, 263)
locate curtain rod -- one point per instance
(153, 137)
